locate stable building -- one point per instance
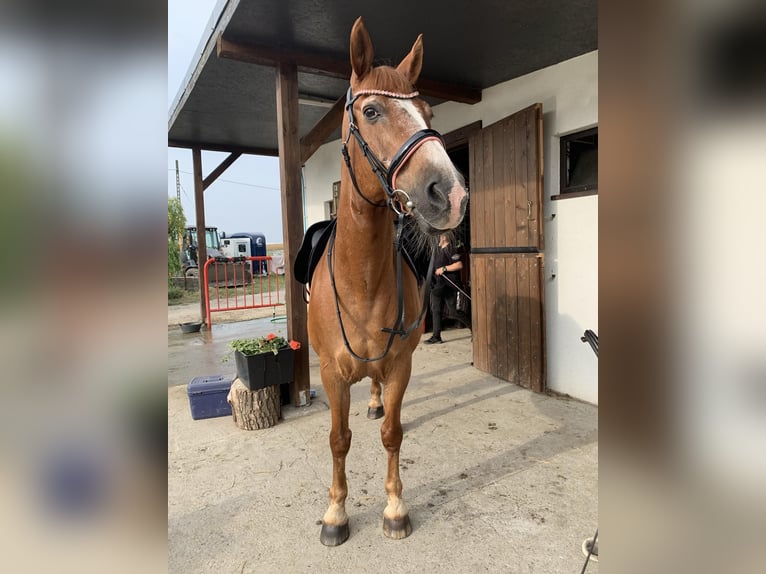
(514, 90)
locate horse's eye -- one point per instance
(370, 113)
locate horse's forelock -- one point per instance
(385, 78)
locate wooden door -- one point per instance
(507, 249)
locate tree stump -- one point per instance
(254, 410)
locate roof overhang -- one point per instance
(228, 102)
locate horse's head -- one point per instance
(395, 124)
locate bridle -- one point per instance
(398, 199)
(400, 203)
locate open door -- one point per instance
(506, 210)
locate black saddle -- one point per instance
(314, 242)
(313, 247)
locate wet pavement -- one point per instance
(201, 354)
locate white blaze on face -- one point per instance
(434, 152)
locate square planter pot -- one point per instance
(265, 369)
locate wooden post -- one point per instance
(292, 222)
(199, 204)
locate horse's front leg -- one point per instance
(396, 519)
(335, 522)
(375, 406)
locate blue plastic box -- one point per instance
(207, 396)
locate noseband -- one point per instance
(398, 199)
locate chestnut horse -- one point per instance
(365, 305)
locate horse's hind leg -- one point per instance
(396, 519)
(335, 522)
(375, 406)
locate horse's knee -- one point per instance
(391, 436)
(340, 442)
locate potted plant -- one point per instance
(264, 361)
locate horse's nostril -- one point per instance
(436, 196)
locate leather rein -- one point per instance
(398, 201)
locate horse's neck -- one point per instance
(364, 240)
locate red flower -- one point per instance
(271, 337)
(295, 345)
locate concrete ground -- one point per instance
(497, 478)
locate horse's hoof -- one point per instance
(375, 413)
(333, 535)
(397, 528)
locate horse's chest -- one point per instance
(353, 370)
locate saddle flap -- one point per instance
(314, 242)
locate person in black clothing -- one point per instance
(447, 265)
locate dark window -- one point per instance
(579, 163)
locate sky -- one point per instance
(246, 197)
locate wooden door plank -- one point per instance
(488, 187)
(476, 174)
(509, 182)
(520, 160)
(477, 210)
(480, 313)
(501, 317)
(492, 297)
(537, 170)
(499, 156)
(512, 318)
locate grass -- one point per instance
(186, 297)
(174, 294)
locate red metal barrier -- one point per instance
(231, 285)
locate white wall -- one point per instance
(571, 299)
(318, 176)
(569, 94)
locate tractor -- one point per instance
(233, 272)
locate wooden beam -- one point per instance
(292, 223)
(322, 130)
(270, 56)
(199, 206)
(222, 167)
(224, 147)
(331, 67)
(447, 91)
(460, 136)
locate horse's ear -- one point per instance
(413, 62)
(361, 50)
